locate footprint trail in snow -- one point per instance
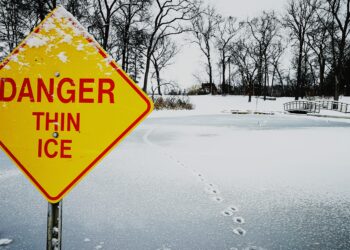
(211, 189)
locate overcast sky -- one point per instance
(190, 61)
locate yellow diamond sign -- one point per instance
(64, 104)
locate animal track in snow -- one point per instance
(211, 190)
(239, 231)
(201, 178)
(227, 213)
(218, 199)
(233, 208)
(239, 220)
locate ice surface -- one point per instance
(239, 231)
(239, 220)
(150, 193)
(164, 248)
(253, 248)
(6, 174)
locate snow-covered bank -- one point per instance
(209, 105)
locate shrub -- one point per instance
(196, 90)
(173, 103)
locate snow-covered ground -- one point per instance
(207, 105)
(202, 179)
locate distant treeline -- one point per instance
(248, 54)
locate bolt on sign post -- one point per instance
(64, 104)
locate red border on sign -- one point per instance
(119, 138)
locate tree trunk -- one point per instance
(281, 81)
(300, 60)
(136, 69)
(41, 10)
(336, 86)
(260, 75)
(273, 81)
(250, 88)
(106, 35)
(125, 47)
(229, 77)
(322, 76)
(340, 67)
(210, 76)
(124, 56)
(250, 93)
(156, 67)
(224, 91)
(148, 64)
(266, 78)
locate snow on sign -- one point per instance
(64, 104)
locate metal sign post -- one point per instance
(54, 226)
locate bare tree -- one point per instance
(106, 10)
(339, 30)
(10, 24)
(204, 28)
(299, 20)
(17, 19)
(277, 52)
(227, 29)
(318, 39)
(131, 16)
(244, 58)
(265, 32)
(78, 8)
(169, 18)
(161, 58)
(135, 53)
(41, 8)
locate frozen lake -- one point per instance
(200, 182)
